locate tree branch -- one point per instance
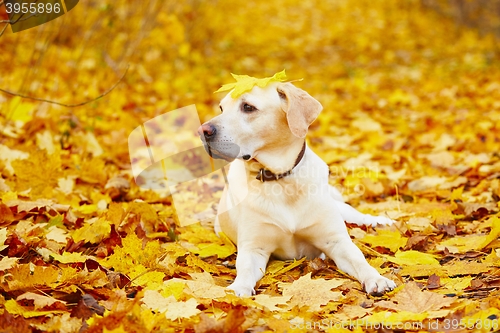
(64, 104)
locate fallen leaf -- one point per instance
(386, 238)
(40, 301)
(176, 310)
(411, 257)
(312, 293)
(270, 302)
(412, 299)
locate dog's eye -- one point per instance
(220, 107)
(248, 107)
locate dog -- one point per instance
(278, 200)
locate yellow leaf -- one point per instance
(203, 286)
(13, 308)
(472, 242)
(38, 173)
(207, 250)
(456, 285)
(494, 233)
(21, 111)
(155, 301)
(270, 302)
(28, 276)
(413, 258)
(67, 257)
(482, 321)
(131, 253)
(386, 238)
(176, 310)
(312, 292)
(92, 232)
(87, 209)
(146, 278)
(245, 83)
(173, 288)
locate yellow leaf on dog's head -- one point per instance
(245, 83)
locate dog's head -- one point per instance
(262, 120)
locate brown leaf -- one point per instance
(417, 243)
(231, 324)
(11, 324)
(433, 282)
(412, 299)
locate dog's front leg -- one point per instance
(350, 259)
(337, 245)
(350, 214)
(251, 265)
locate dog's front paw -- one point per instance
(374, 220)
(241, 290)
(378, 285)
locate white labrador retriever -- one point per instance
(279, 201)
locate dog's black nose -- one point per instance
(207, 130)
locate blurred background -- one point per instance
(393, 70)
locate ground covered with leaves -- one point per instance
(410, 129)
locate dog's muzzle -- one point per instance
(217, 149)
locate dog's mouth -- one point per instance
(222, 150)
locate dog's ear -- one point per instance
(300, 107)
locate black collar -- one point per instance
(265, 175)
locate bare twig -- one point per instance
(67, 105)
(3, 30)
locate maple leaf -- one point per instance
(93, 231)
(66, 257)
(176, 310)
(8, 155)
(7, 263)
(155, 301)
(38, 173)
(40, 301)
(312, 293)
(203, 286)
(245, 83)
(411, 299)
(270, 302)
(25, 276)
